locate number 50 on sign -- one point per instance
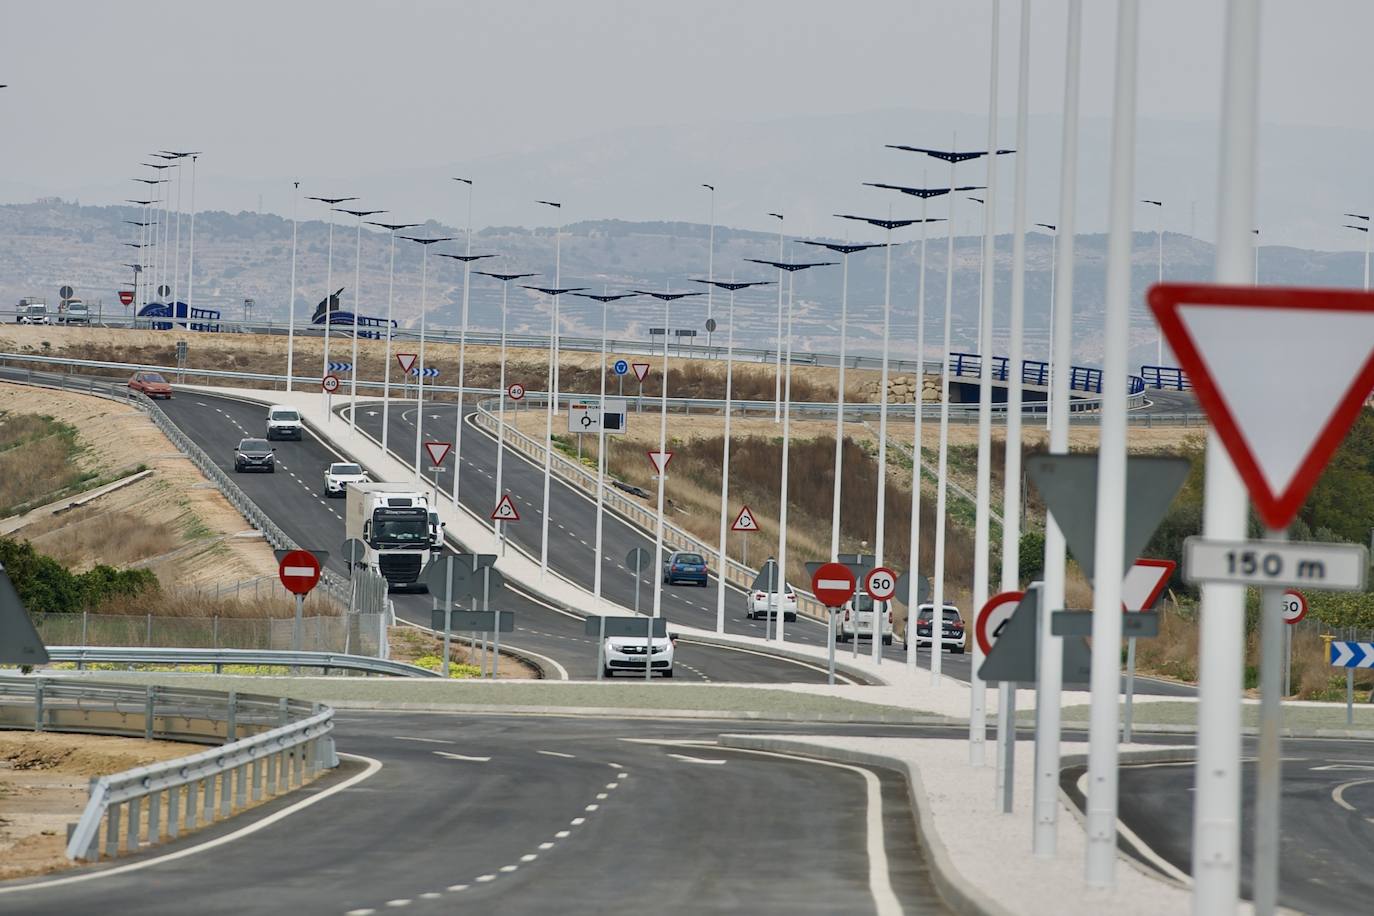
(1331, 567)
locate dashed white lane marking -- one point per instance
(509, 868)
(562, 834)
(529, 857)
(591, 807)
(685, 758)
(485, 878)
(622, 775)
(401, 901)
(578, 821)
(557, 754)
(546, 846)
(601, 796)
(425, 740)
(452, 756)
(612, 785)
(366, 911)
(455, 888)
(431, 895)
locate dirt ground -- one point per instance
(43, 787)
(173, 521)
(409, 644)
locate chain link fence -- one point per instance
(359, 634)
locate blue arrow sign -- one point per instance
(621, 367)
(340, 367)
(1352, 654)
(415, 371)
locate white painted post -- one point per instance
(291, 310)
(942, 469)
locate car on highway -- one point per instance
(626, 653)
(255, 455)
(284, 423)
(151, 384)
(954, 633)
(683, 566)
(857, 620)
(340, 474)
(758, 603)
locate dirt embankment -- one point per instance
(172, 521)
(43, 787)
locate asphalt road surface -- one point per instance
(293, 496)
(522, 815)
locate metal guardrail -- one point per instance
(218, 658)
(271, 744)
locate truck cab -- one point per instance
(394, 526)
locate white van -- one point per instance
(856, 620)
(284, 423)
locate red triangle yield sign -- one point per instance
(406, 360)
(1145, 582)
(505, 511)
(1282, 374)
(438, 451)
(641, 370)
(745, 521)
(660, 460)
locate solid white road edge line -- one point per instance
(1130, 836)
(1338, 794)
(372, 767)
(879, 881)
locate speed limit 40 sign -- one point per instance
(881, 584)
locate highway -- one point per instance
(293, 497)
(499, 814)
(572, 522)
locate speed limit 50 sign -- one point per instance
(881, 584)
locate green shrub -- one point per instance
(46, 586)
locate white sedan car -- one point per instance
(758, 603)
(340, 475)
(626, 653)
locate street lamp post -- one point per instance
(553, 292)
(421, 366)
(1367, 236)
(357, 303)
(710, 263)
(142, 237)
(291, 310)
(667, 297)
(1054, 275)
(390, 327)
(332, 202)
(152, 184)
(982, 256)
(467, 258)
(557, 302)
(777, 371)
(605, 299)
(174, 160)
(498, 527)
(164, 199)
(733, 288)
(1159, 239)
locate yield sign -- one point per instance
(660, 460)
(438, 451)
(641, 370)
(1282, 374)
(407, 361)
(1145, 582)
(745, 521)
(505, 510)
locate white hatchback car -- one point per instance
(626, 653)
(758, 603)
(339, 475)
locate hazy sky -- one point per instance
(335, 90)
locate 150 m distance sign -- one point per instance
(1331, 567)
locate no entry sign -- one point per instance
(833, 584)
(299, 571)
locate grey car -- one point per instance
(255, 455)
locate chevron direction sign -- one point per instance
(430, 372)
(340, 367)
(1352, 654)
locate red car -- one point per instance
(152, 384)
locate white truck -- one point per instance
(395, 527)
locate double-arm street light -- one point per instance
(391, 228)
(467, 261)
(710, 264)
(732, 287)
(777, 370)
(357, 304)
(331, 203)
(605, 299)
(498, 526)
(421, 365)
(1367, 236)
(557, 303)
(152, 263)
(553, 292)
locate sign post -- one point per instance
(833, 584)
(641, 371)
(1145, 582)
(1294, 610)
(1279, 432)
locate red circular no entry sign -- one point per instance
(833, 584)
(299, 571)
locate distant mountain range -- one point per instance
(248, 256)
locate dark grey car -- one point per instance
(255, 455)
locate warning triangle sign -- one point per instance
(407, 360)
(1145, 582)
(438, 451)
(660, 460)
(505, 511)
(745, 521)
(641, 370)
(1282, 374)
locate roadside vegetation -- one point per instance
(36, 462)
